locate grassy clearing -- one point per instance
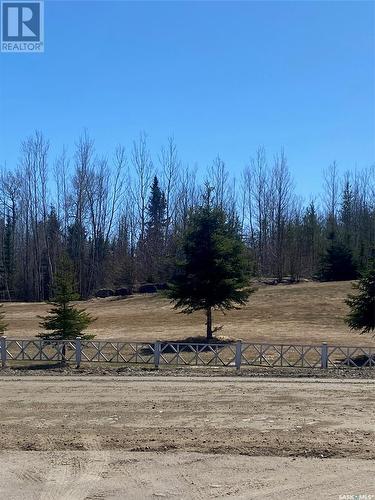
(302, 313)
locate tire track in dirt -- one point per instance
(72, 477)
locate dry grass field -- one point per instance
(302, 313)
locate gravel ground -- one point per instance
(251, 416)
(336, 373)
(117, 475)
(138, 435)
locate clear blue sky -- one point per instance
(222, 77)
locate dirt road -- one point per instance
(85, 438)
(116, 475)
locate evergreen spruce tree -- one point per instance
(362, 305)
(337, 264)
(310, 239)
(77, 248)
(3, 324)
(52, 252)
(213, 272)
(346, 215)
(65, 321)
(155, 232)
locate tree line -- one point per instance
(212, 273)
(120, 220)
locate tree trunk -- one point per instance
(209, 323)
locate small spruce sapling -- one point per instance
(65, 321)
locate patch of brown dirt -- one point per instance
(292, 417)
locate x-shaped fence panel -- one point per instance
(357, 357)
(117, 352)
(40, 350)
(197, 354)
(275, 355)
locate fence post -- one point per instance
(3, 347)
(157, 353)
(78, 351)
(324, 356)
(238, 354)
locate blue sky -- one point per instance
(221, 77)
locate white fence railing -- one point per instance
(162, 353)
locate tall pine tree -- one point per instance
(213, 272)
(155, 232)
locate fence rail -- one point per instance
(237, 354)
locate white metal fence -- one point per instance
(162, 353)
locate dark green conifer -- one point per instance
(214, 270)
(362, 305)
(65, 321)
